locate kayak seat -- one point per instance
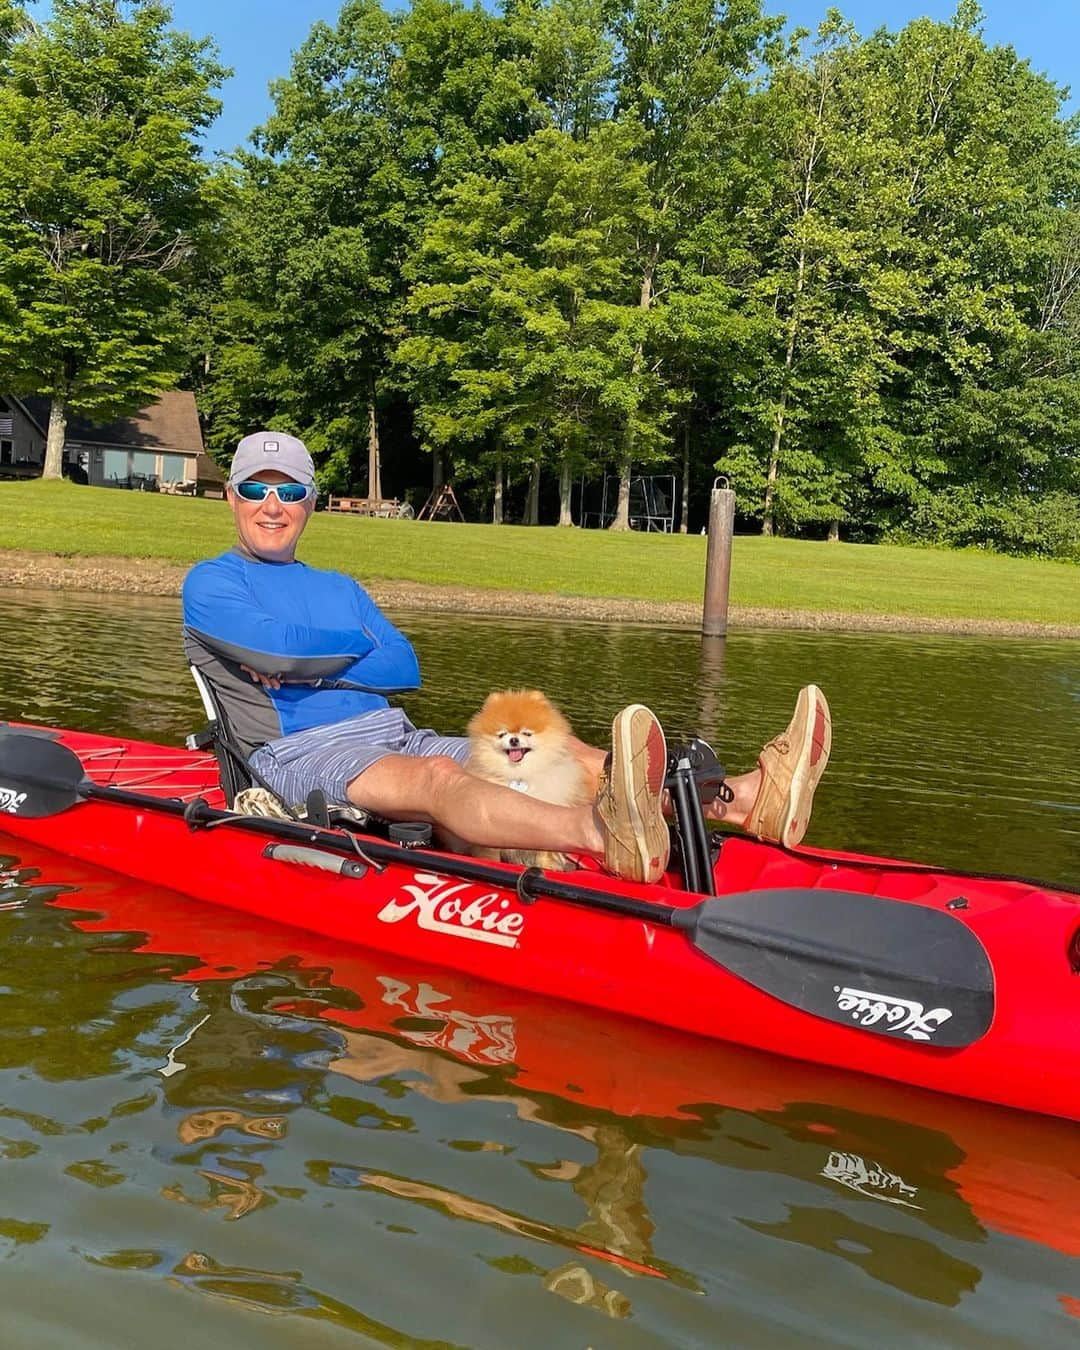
(233, 769)
(243, 790)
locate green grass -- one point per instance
(65, 519)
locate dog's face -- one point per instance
(518, 734)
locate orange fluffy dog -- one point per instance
(522, 741)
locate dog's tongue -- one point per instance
(515, 755)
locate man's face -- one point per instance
(270, 529)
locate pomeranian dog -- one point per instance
(521, 740)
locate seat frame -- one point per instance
(233, 769)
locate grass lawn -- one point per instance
(66, 519)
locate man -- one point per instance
(305, 662)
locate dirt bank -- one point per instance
(144, 576)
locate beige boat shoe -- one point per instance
(629, 800)
(791, 768)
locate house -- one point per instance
(22, 440)
(159, 448)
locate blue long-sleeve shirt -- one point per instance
(320, 632)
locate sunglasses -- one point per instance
(288, 494)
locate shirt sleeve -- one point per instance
(390, 666)
(220, 611)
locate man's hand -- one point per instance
(267, 681)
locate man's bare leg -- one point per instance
(438, 789)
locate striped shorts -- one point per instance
(331, 757)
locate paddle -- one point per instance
(881, 966)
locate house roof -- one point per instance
(28, 407)
(172, 423)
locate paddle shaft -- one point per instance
(530, 884)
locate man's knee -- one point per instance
(407, 783)
(445, 775)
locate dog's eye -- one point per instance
(525, 731)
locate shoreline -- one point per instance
(145, 576)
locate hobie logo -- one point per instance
(854, 1172)
(10, 800)
(441, 907)
(903, 1016)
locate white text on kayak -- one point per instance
(441, 907)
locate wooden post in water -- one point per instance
(718, 559)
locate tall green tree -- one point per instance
(814, 210)
(985, 169)
(377, 115)
(526, 306)
(103, 196)
(682, 67)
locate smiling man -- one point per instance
(305, 664)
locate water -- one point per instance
(214, 1129)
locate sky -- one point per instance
(257, 38)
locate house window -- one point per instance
(114, 469)
(7, 451)
(172, 468)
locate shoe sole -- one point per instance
(813, 757)
(654, 748)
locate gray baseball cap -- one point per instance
(272, 450)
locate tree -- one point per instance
(680, 65)
(814, 211)
(102, 199)
(987, 173)
(526, 305)
(378, 114)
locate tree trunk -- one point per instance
(566, 485)
(54, 443)
(768, 520)
(834, 531)
(437, 475)
(622, 510)
(497, 507)
(621, 519)
(684, 514)
(374, 463)
(532, 500)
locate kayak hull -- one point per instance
(1029, 1058)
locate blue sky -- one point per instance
(257, 38)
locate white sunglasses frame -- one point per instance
(310, 491)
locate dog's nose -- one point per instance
(514, 742)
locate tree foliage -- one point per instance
(104, 199)
(572, 237)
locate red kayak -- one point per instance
(946, 981)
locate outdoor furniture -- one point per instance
(384, 507)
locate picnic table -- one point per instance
(386, 507)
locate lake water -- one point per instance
(213, 1130)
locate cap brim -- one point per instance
(244, 475)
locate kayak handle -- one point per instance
(314, 857)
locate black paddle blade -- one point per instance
(900, 970)
(38, 776)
